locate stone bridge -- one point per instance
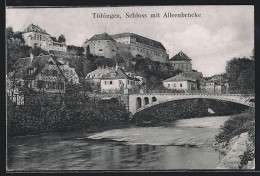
(141, 101)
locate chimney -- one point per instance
(116, 65)
(31, 56)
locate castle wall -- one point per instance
(106, 48)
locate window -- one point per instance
(180, 84)
(168, 85)
(54, 73)
(127, 81)
(105, 82)
(100, 49)
(120, 82)
(174, 85)
(111, 82)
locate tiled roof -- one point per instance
(117, 74)
(34, 28)
(140, 39)
(103, 36)
(102, 71)
(178, 78)
(23, 64)
(180, 56)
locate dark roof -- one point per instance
(180, 56)
(54, 39)
(178, 78)
(140, 39)
(117, 74)
(34, 28)
(23, 64)
(103, 36)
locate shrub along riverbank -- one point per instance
(31, 120)
(237, 135)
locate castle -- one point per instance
(107, 46)
(35, 35)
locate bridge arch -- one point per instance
(158, 105)
(138, 102)
(146, 100)
(154, 99)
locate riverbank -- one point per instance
(105, 115)
(236, 140)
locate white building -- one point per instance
(180, 82)
(35, 35)
(116, 81)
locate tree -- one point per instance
(62, 38)
(15, 48)
(241, 74)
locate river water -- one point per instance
(185, 144)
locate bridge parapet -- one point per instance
(140, 101)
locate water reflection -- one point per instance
(72, 151)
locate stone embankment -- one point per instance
(234, 149)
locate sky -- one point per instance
(218, 35)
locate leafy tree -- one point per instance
(15, 48)
(241, 74)
(62, 38)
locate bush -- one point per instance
(238, 124)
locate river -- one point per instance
(185, 144)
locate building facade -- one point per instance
(35, 35)
(116, 81)
(180, 82)
(101, 45)
(182, 62)
(107, 46)
(143, 46)
(42, 73)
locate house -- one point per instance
(180, 82)
(42, 73)
(116, 81)
(94, 77)
(182, 62)
(142, 80)
(213, 87)
(35, 35)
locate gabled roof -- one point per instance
(178, 78)
(180, 56)
(140, 39)
(54, 39)
(23, 64)
(102, 71)
(117, 74)
(34, 28)
(103, 36)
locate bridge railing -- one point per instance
(200, 91)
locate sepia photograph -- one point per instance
(130, 88)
